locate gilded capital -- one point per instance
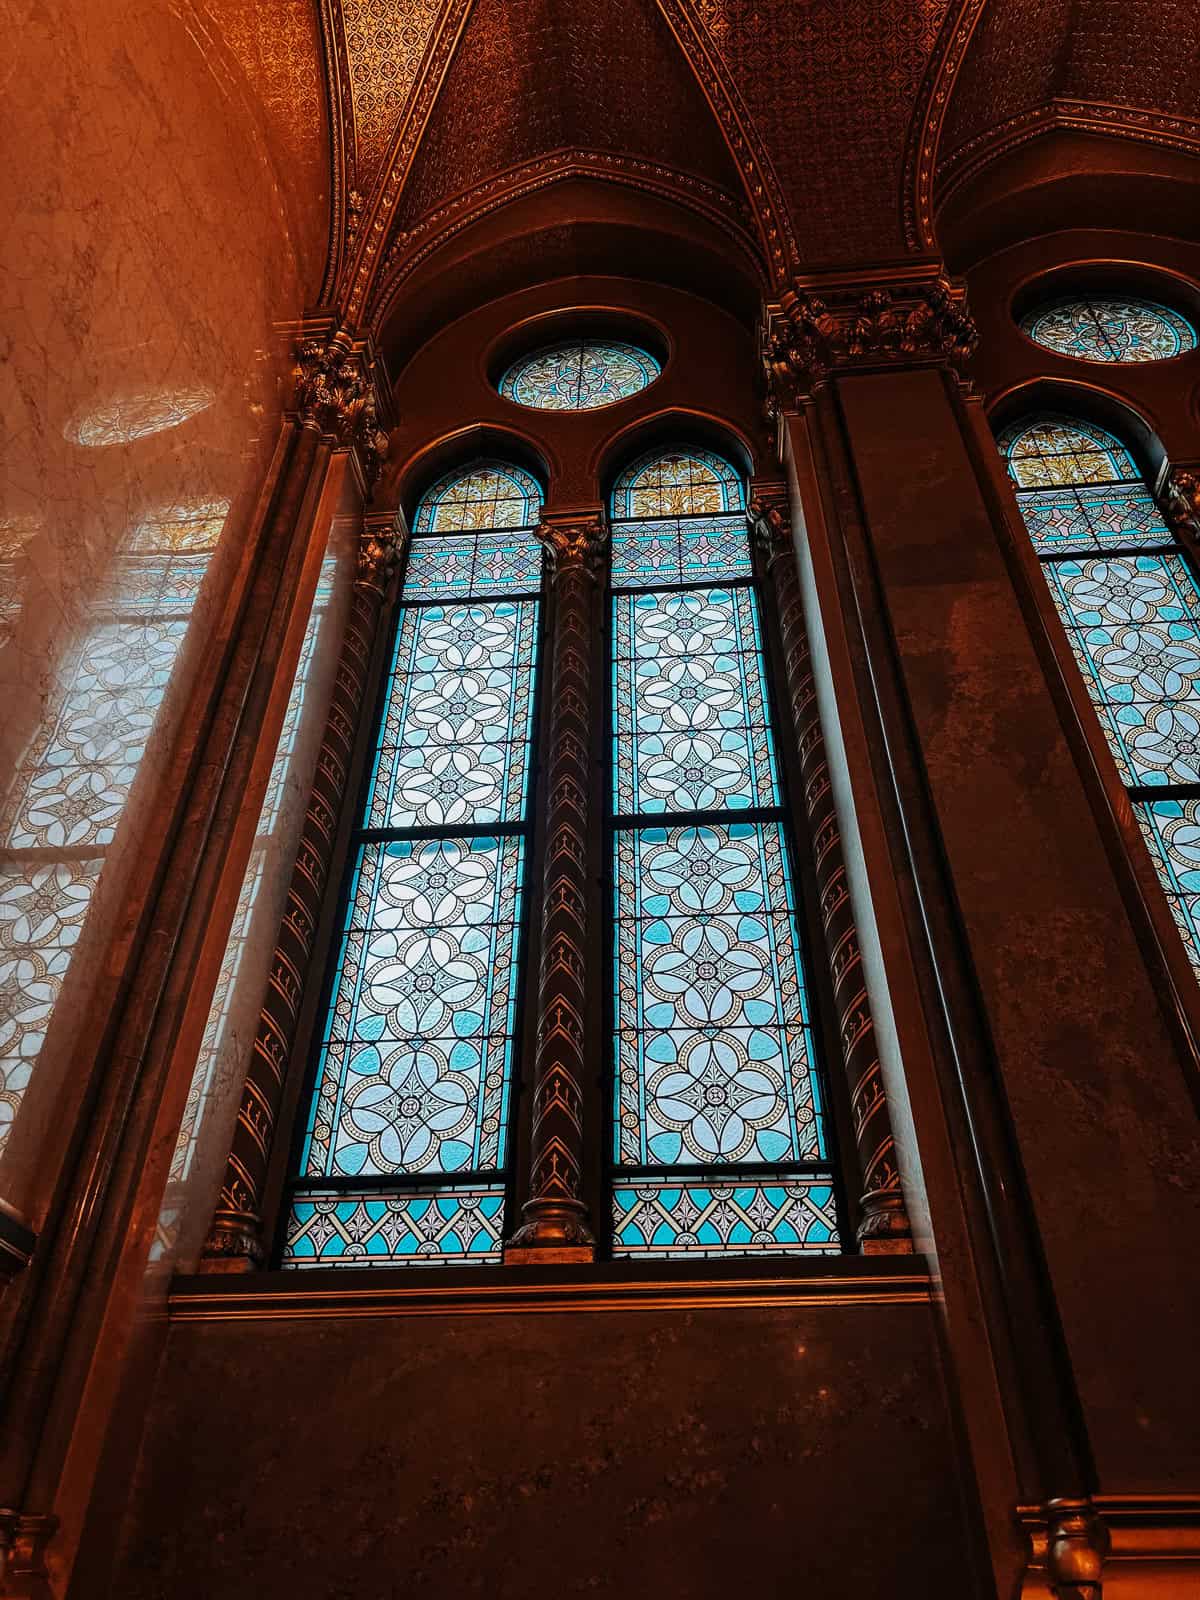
(574, 542)
(909, 321)
(378, 552)
(1181, 501)
(335, 393)
(770, 517)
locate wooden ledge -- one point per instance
(604, 1286)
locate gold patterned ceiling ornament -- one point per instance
(385, 40)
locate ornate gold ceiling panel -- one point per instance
(385, 41)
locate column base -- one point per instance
(232, 1245)
(547, 1255)
(884, 1229)
(553, 1231)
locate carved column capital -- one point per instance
(770, 519)
(336, 395)
(1181, 501)
(378, 552)
(574, 542)
(821, 327)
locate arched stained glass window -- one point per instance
(1127, 596)
(719, 1133)
(580, 376)
(405, 1149)
(1111, 328)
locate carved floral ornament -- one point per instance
(335, 393)
(578, 542)
(1181, 501)
(807, 338)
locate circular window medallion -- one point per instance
(1109, 328)
(580, 375)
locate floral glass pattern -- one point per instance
(1128, 599)
(1110, 328)
(581, 375)
(719, 1143)
(415, 1061)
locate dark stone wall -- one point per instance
(685, 1453)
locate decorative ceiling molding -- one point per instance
(341, 138)
(407, 251)
(365, 250)
(764, 191)
(385, 42)
(1119, 122)
(925, 131)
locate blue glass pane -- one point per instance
(1171, 829)
(673, 483)
(689, 706)
(487, 494)
(454, 746)
(579, 376)
(1110, 328)
(416, 1061)
(715, 1060)
(673, 1217)
(441, 1227)
(653, 554)
(1134, 626)
(1052, 451)
(1063, 521)
(463, 568)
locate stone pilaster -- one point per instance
(556, 1223)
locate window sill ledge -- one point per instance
(338, 1292)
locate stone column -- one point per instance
(235, 1242)
(556, 1221)
(883, 1227)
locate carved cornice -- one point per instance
(925, 131)
(779, 243)
(336, 394)
(909, 320)
(573, 541)
(406, 251)
(1083, 116)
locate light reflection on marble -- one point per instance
(155, 245)
(202, 1145)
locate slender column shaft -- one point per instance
(556, 1219)
(235, 1240)
(883, 1227)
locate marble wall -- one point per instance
(143, 366)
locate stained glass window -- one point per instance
(719, 1138)
(406, 1143)
(579, 376)
(1128, 598)
(1110, 328)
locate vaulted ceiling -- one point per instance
(825, 126)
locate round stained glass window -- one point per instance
(579, 376)
(1110, 328)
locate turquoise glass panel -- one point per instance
(690, 703)
(1110, 328)
(455, 742)
(1171, 829)
(675, 550)
(416, 1060)
(580, 375)
(443, 1227)
(1134, 627)
(715, 1060)
(671, 1217)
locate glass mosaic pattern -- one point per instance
(1110, 328)
(67, 796)
(690, 703)
(417, 1050)
(414, 1073)
(424, 1227)
(454, 746)
(1130, 605)
(677, 483)
(667, 1217)
(581, 375)
(713, 1044)
(714, 1064)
